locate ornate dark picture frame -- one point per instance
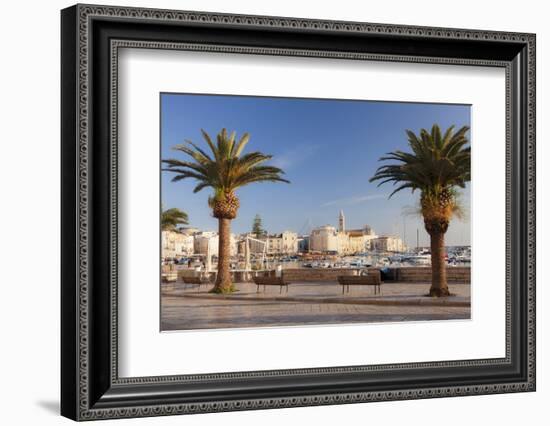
(90, 386)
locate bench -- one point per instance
(265, 281)
(200, 280)
(372, 279)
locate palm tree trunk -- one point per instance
(439, 267)
(223, 280)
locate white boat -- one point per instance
(420, 259)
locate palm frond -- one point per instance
(226, 168)
(173, 217)
(438, 162)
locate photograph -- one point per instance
(281, 211)
(272, 208)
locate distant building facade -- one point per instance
(283, 243)
(208, 242)
(360, 240)
(174, 244)
(324, 239)
(328, 239)
(393, 244)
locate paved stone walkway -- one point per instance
(186, 307)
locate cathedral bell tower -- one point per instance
(341, 222)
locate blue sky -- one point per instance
(328, 148)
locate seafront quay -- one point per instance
(323, 292)
(313, 297)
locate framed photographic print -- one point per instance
(263, 212)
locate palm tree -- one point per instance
(171, 218)
(224, 170)
(438, 164)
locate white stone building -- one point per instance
(387, 243)
(283, 243)
(174, 244)
(324, 239)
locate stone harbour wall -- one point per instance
(455, 274)
(413, 274)
(321, 274)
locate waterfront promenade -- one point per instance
(186, 306)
